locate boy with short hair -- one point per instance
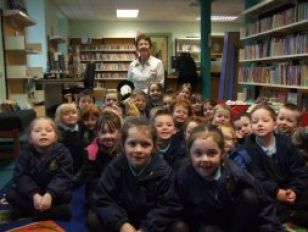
(242, 126)
(171, 144)
(288, 120)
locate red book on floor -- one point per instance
(41, 226)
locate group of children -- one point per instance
(165, 162)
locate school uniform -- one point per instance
(240, 157)
(147, 199)
(175, 151)
(231, 200)
(97, 161)
(41, 173)
(279, 167)
(87, 136)
(151, 104)
(72, 139)
(299, 138)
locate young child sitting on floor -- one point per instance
(70, 135)
(288, 121)
(171, 144)
(242, 126)
(42, 179)
(276, 163)
(137, 189)
(218, 196)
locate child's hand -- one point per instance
(37, 201)
(46, 202)
(281, 195)
(291, 196)
(127, 227)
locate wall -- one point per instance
(36, 33)
(130, 29)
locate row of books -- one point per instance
(277, 46)
(110, 75)
(111, 66)
(282, 96)
(107, 47)
(291, 15)
(108, 56)
(281, 74)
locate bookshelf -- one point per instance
(192, 46)
(19, 75)
(111, 56)
(274, 58)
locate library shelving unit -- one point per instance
(16, 51)
(55, 57)
(111, 56)
(192, 46)
(274, 58)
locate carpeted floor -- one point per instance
(77, 222)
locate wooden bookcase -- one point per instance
(16, 51)
(274, 60)
(111, 56)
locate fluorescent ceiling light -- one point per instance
(220, 18)
(127, 13)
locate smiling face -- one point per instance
(287, 120)
(138, 147)
(144, 48)
(221, 117)
(205, 156)
(155, 93)
(180, 113)
(108, 137)
(262, 123)
(165, 128)
(69, 118)
(43, 134)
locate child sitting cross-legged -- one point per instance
(42, 179)
(277, 164)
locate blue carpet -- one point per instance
(77, 222)
(6, 172)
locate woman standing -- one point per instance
(146, 68)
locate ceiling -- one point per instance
(149, 10)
